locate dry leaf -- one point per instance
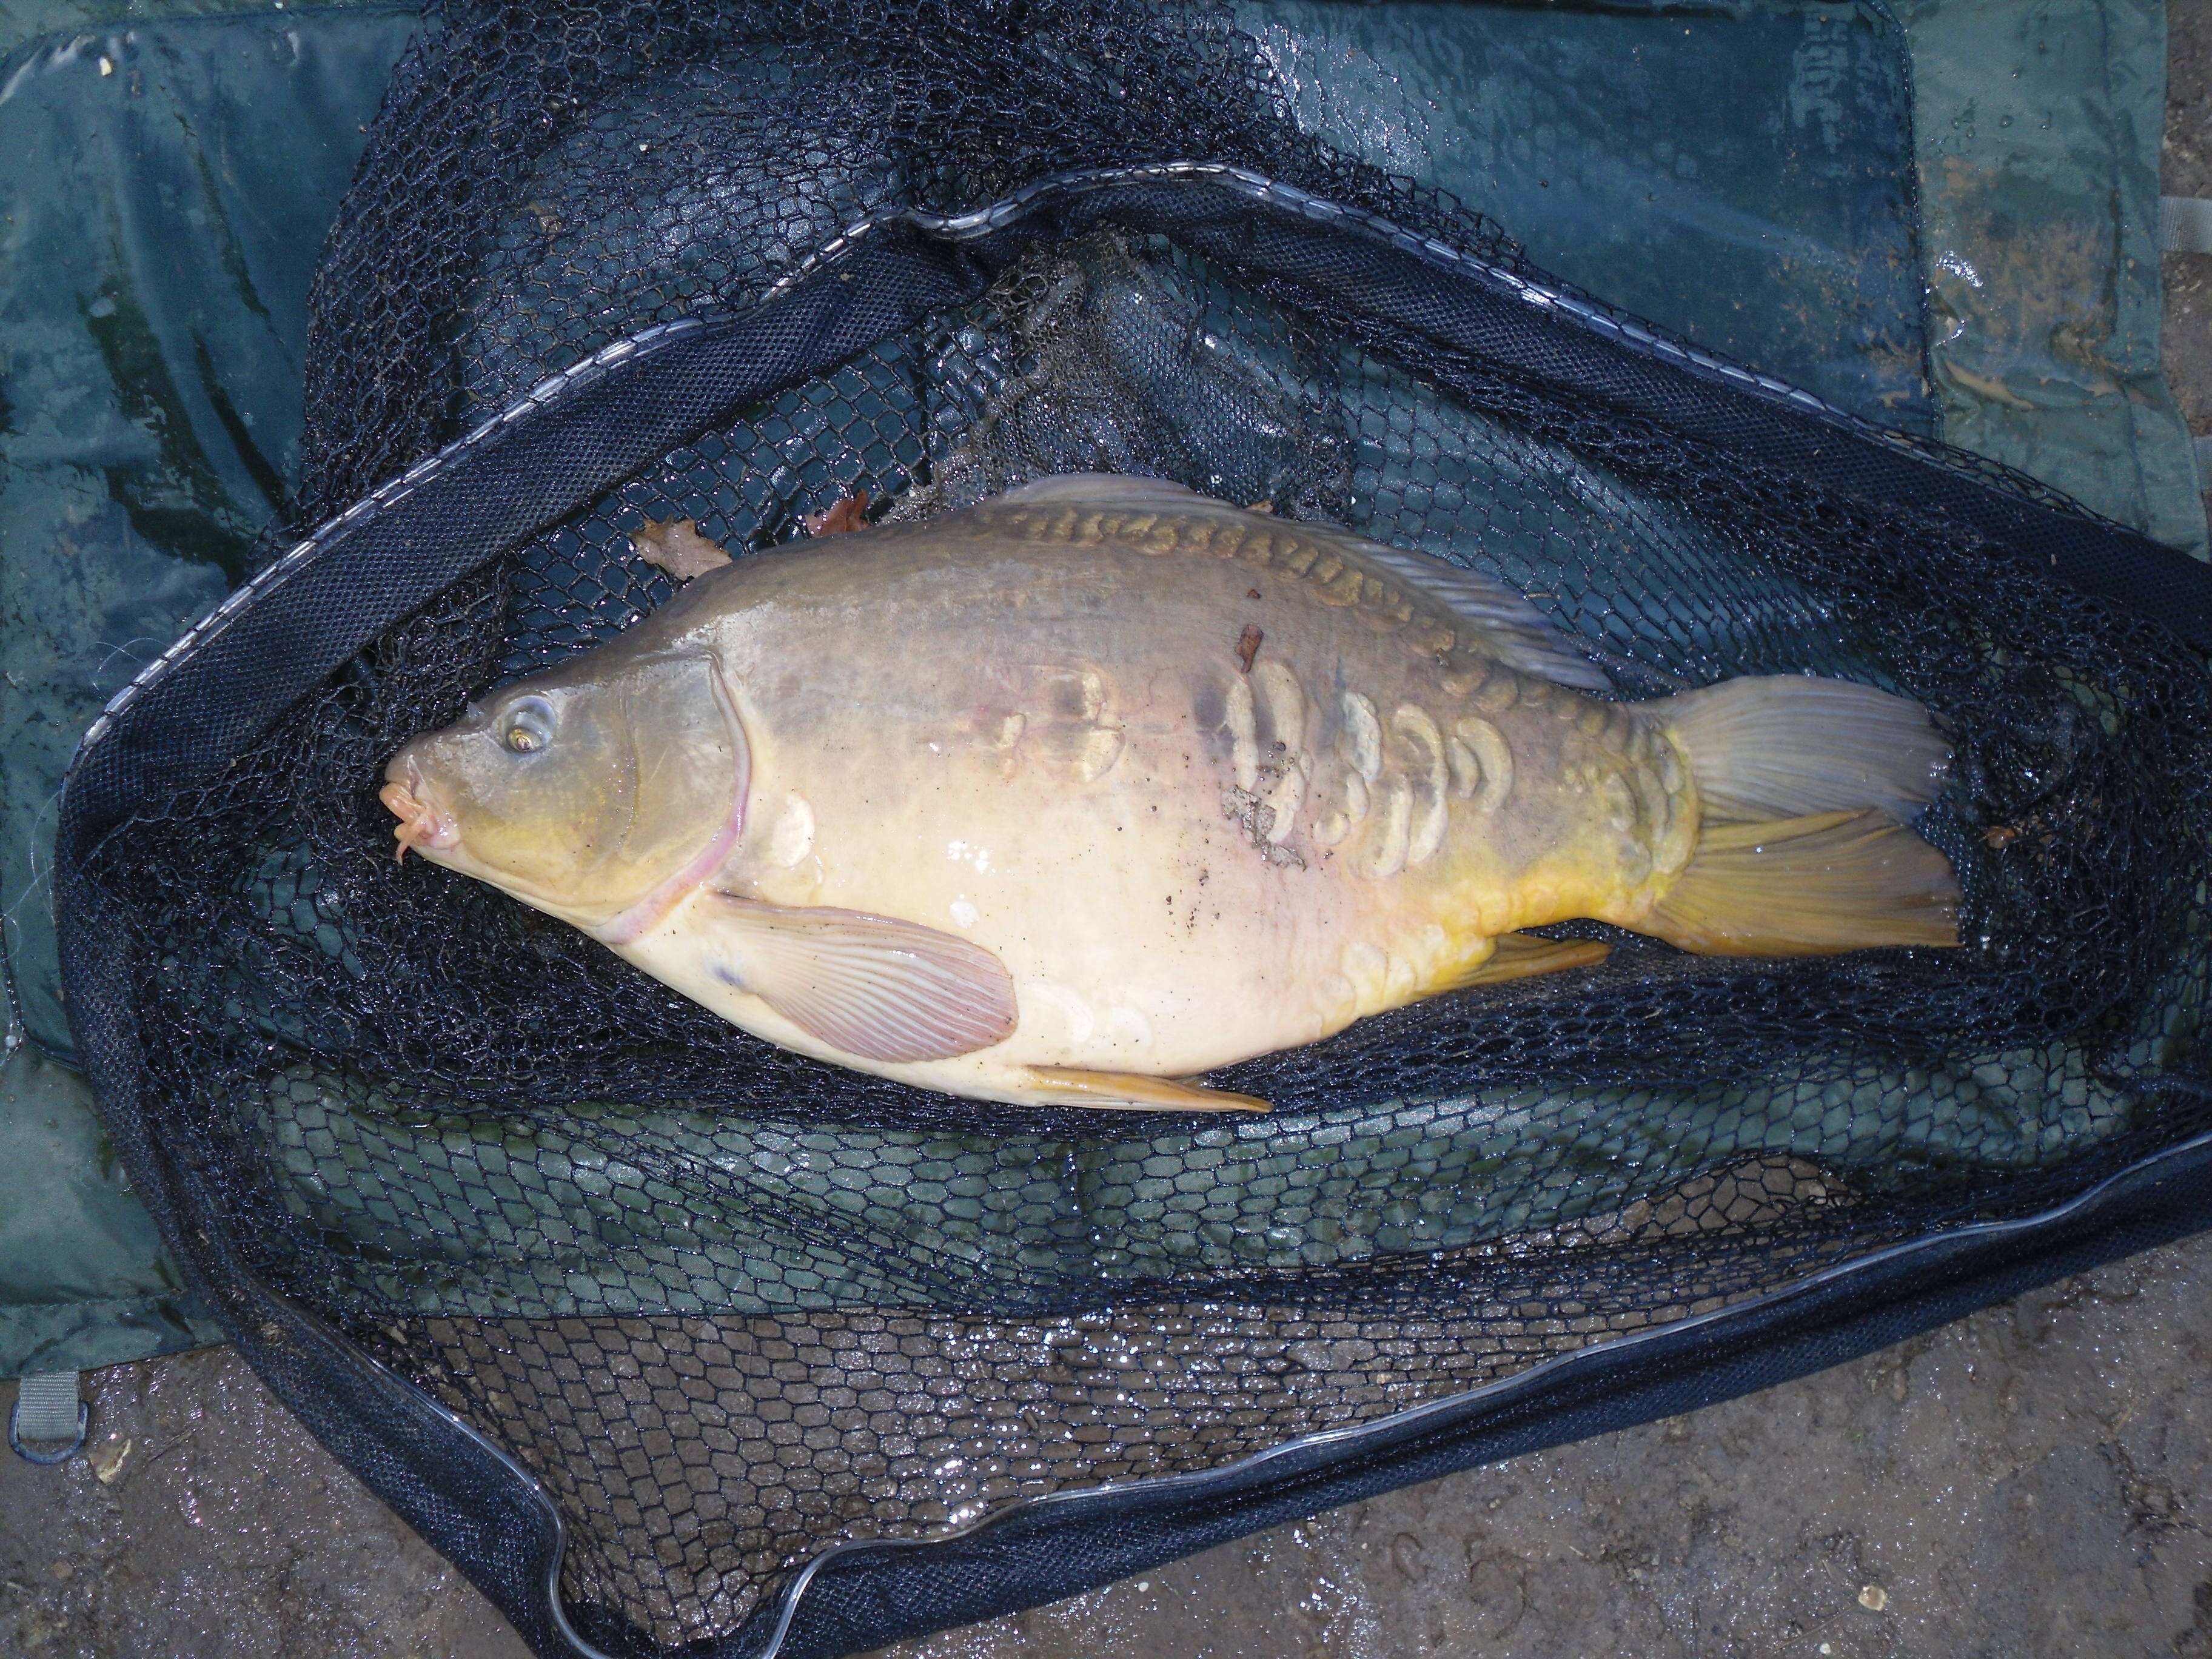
(677, 547)
(107, 1459)
(851, 514)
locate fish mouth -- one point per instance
(421, 825)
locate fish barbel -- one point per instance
(1101, 784)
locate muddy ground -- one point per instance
(2036, 1480)
(2033, 1481)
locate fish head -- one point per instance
(599, 791)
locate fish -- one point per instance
(1078, 795)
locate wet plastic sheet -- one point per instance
(2039, 133)
(83, 1279)
(1743, 175)
(1751, 189)
(165, 197)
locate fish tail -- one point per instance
(1805, 790)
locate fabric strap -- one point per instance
(2185, 224)
(47, 1415)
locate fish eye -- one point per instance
(528, 726)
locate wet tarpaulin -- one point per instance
(169, 184)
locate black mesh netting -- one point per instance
(731, 1307)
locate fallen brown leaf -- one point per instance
(677, 547)
(851, 514)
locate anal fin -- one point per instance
(1128, 1091)
(1523, 955)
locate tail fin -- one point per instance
(1781, 745)
(1808, 886)
(1803, 785)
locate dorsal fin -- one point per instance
(1514, 631)
(1522, 636)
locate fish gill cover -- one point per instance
(482, 1202)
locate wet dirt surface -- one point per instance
(2186, 169)
(201, 1520)
(2032, 1480)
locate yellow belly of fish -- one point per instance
(1125, 985)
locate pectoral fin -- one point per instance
(1128, 1091)
(873, 985)
(1522, 956)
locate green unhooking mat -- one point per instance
(1750, 178)
(168, 189)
